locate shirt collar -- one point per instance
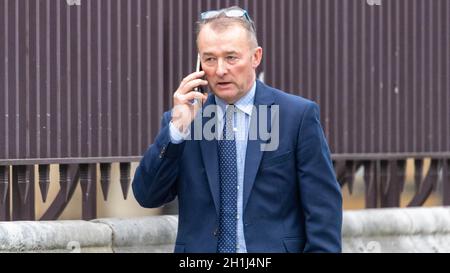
(245, 104)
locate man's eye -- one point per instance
(231, 58)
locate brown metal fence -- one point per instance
(85, 82)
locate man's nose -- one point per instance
(221, 68)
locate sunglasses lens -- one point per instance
(235, 13)
(209, 14)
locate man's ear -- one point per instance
(257, 57)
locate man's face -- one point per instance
(229, 61)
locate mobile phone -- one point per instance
(199, 88)
(198, 68)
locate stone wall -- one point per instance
(146, 234)
(397, 230)
(375, 230)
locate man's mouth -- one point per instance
(223, 84)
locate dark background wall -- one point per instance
(92, 80)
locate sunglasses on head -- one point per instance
(233, 12)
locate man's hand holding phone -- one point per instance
(184, 110)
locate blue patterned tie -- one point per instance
(228, 186)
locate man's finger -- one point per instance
(188, 87)
(191, 77)
(192, 96)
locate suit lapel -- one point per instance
(210, 158)
(254, 153)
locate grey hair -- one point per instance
(222, 22)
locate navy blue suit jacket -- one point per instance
(292, 201)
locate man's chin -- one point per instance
(229, 96)
(225, 92)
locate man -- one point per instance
(234, 193)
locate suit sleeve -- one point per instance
(155, 179)
(319, 190)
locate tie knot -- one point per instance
(230, 109)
